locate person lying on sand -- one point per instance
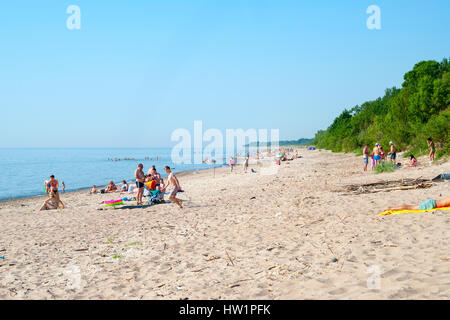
(111, 187)
(175, 184)
(426, 205)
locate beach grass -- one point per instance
(384, 167)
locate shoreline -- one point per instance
(84, 189)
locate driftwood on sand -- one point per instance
(385, 186)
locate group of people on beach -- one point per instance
(142, 179)
(152, 175)
(378, 155)
(52, 189)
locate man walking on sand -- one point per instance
(140, 179)
(175, 184)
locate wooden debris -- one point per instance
(212, 258)
(386, 186)
(231, 260)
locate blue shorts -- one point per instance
(377, 157)
(427, 204)
(366, 160)
(393, 156)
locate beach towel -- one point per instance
(389, 212)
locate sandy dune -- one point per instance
(291, 234)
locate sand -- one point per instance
(290, 233)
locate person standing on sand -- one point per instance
(63, 186)
(175, 184)
(432, 149)
(140, 179)
(366, 155)
(232, 163)
(376, 154)
(246, 163)
(392, 152)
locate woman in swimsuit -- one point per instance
(432, 149)
(53, 201)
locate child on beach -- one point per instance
(232, 164)
(93, 190)
(412, 161)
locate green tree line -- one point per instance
(407, 116)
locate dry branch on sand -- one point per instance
(386, 186)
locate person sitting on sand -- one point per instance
(111, 187)
(157, 177)
(175, 184)
(124, 187)
(53, 201)
(94, 189)
(426, 205)
(412, 161)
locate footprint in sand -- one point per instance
(338, 291)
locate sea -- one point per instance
(23, 171)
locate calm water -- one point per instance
(23, 171)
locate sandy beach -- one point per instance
(291, 234)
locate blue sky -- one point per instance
(137, 70)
